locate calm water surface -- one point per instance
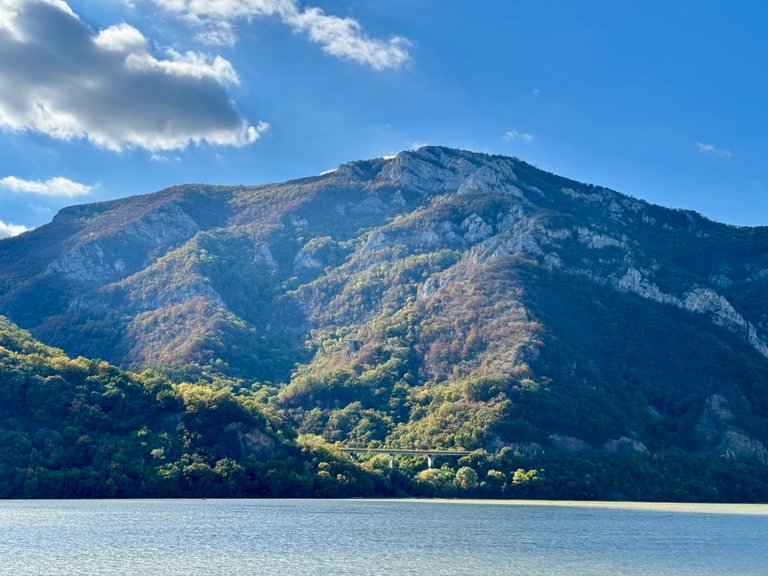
(358, 537)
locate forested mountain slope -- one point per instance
(76, 428)
(439, 298)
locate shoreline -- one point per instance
(755, 509)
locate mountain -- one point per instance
(438, 298)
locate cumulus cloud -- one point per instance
(59, 77)
(340, 37)
(57, 186)
(713, 150)
(515, 135)
(7, 230)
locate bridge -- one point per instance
(392, 452)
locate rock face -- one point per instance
(478, 286)
(96, 259)
(625, 445)
(718, 430)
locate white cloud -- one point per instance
(57, 186)
(59, 77)
(515, 135)
(340, 37)
(343, 37)
(121, 38)
(713, 150)
(256, 132)
(220, 34)
(225, 10)
(161, 158)
(7, 230)
(9, 10)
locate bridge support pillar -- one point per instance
(429, 460)
(391, 461)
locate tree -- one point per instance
(467, 479)
(496, 480)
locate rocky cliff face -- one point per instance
(718, 431)
(480, 294)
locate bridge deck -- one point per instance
(406, 451)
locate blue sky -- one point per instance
(100, 99)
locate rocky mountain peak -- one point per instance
(438, 169)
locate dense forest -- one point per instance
(78, 428)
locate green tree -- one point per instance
(467, 479)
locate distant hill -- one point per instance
(440, 298)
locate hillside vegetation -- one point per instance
(74, 428)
